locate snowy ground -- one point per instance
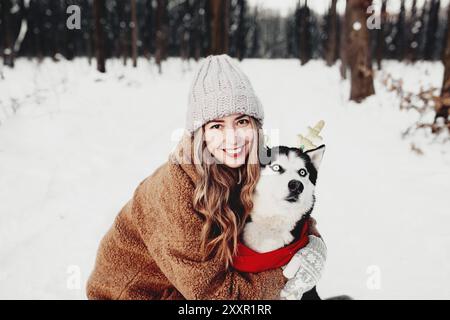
(80, 142)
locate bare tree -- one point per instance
(186, 30)
(24, 12)
(124, 10)
(332, 43)
(220, 20)
(148, 29)
(412, 30)
(304, 37)
(241, 30)
(400, 35)
(99, 10)
(199, 28)
(359, 51)
(380, 34)
(134, 33)
(161, 32)
(444, 102)
(8, 50)
(254, 46)
(88, 37)
(431, 30)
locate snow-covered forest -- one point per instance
(87, 113)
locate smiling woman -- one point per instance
(177, 237)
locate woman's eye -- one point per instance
(216, 126)
(243, 122)
(302, 172)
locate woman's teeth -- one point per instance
(233, 151)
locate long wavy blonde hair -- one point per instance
(223, 195)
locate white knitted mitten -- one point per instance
(304, 270)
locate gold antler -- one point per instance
(308, 142)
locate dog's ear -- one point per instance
(316, 155)
(265, 155)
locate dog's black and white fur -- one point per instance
(283, 199)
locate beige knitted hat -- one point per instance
(219, 89)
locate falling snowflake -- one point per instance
(357, 26)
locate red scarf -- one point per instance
(248, 260)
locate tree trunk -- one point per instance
(444, 103)
(400, 37)
(55, 36)
(197, 28)
(161, 32)
(241, 31)
(99, 35)
(412, 33)
(36, 29)
(359, 51)
(331, 54)
(124, 22)
(134, 31)
(88, 37)
(24, 26)
(304, 36)
(147, 36)
(432, 27)
(8, 50)
(185, 41)
(219, 25)
(380, 34)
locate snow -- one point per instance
(79, 143)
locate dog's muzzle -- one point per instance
(295, 188)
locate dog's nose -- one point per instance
(295, 186)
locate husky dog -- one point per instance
(283, 199)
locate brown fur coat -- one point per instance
(152, 249)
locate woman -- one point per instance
(176, 238)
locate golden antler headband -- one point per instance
(312, 138)
(306, 142)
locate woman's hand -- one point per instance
(305, 269)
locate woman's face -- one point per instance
(229, 139)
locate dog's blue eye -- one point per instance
(302, 172)
(276, 168)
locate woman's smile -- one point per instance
(235, 152)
